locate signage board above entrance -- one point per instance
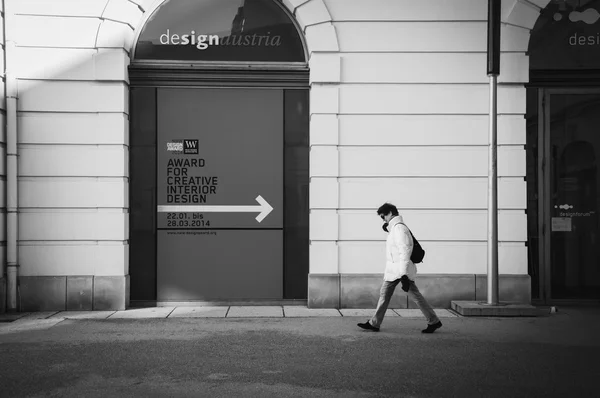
(566, 36)
(224, 30)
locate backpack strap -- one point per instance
(409, 231)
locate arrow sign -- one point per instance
(263, 207)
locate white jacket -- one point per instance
(398, 248)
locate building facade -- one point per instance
(195, 151)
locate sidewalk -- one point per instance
(219, 312)
(280, 351)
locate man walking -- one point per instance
(399, 269)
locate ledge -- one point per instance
(481, 308)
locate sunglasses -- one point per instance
(382, 216)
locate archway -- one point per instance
(219, 154)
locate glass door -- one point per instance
(571, 148)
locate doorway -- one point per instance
(563, 148)
(218, 194)
(219, 154)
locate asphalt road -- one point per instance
(555, 356)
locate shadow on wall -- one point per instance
(73, 150)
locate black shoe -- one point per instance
(432, 328)
(405, 283)
(368, 326)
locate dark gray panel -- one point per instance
(2, 294)
(239, 156)
(224, 264)
(142, 194)
(219, 150)
(297, 162)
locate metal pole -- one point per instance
(493, 70)
(492, 296)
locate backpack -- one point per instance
(417, 253)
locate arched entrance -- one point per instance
(219, 154)
(563, 149)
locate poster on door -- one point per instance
(214, 171)
(187, 186)
(561, 224)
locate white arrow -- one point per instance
(263, 207)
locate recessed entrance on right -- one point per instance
(563, 148)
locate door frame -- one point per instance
(544, 197)
(224, 76)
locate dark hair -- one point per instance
(387, 208)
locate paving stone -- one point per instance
(416, 313)
(409, 313)
(140, 313)
(199, 312)
(364, 312)
(82, 314)
(12, 316)
(222, 312)
(38, 315)
(29, 324)
(297, 311)
(259, 311)
(444, 313)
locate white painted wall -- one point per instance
(399, 114)
(72, 59)
(399, 103)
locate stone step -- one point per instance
(481, 308)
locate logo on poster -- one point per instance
(190, 147)
(175, 146)
(186, 147)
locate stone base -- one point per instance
(2, 295)
(362, 290)
(480, 308)
(324, 291)
(511, 288)
(73, 293)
